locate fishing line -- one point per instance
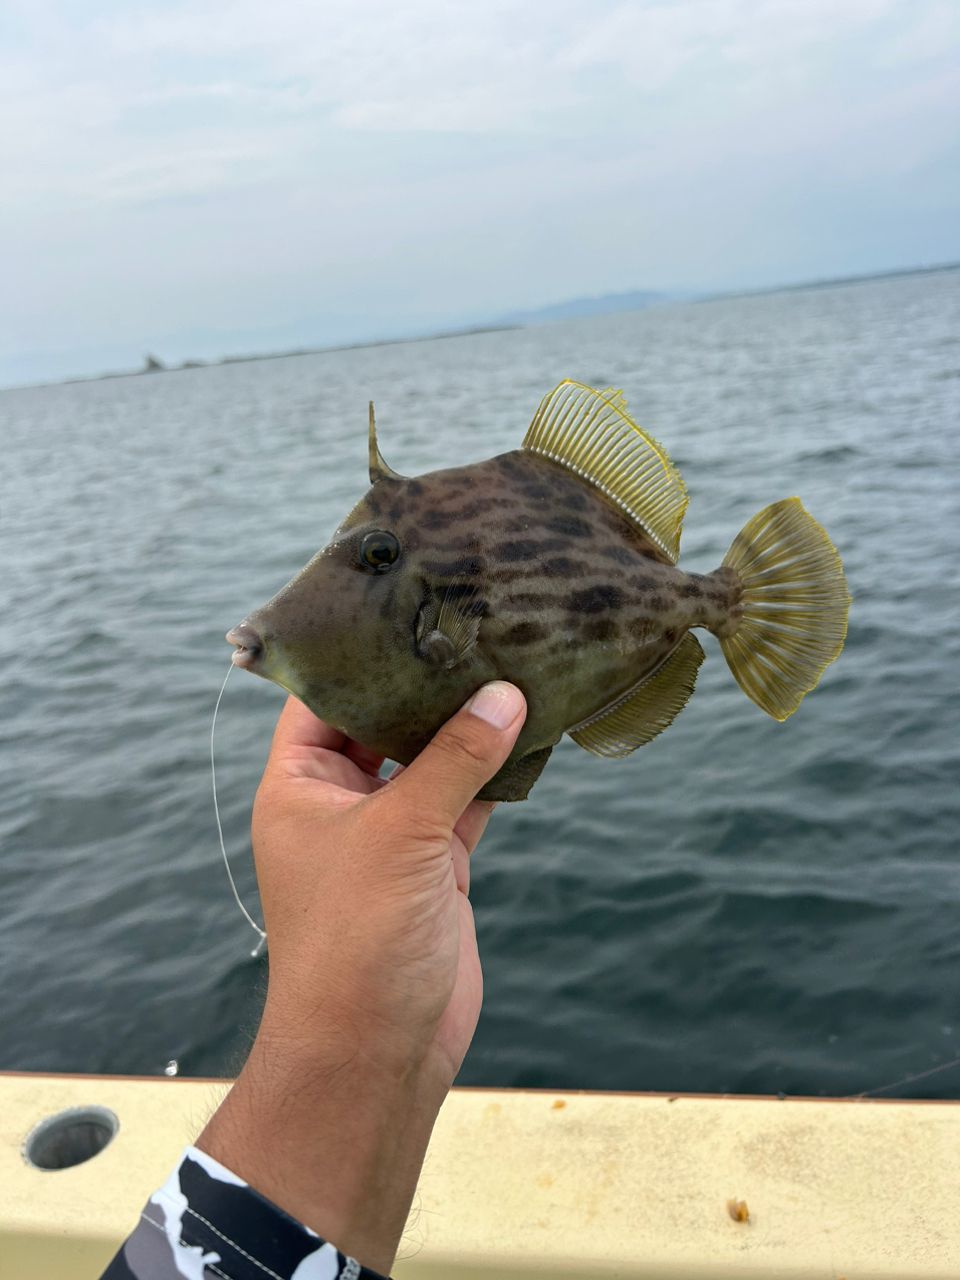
(855, 1097)
(216, 809)
(920, 1075)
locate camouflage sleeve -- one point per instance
(205, 1223)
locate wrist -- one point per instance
(332, 1136)
(337, 1046)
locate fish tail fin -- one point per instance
(793, 609)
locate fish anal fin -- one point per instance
(647, 709)
(515, 779)
(591, 433)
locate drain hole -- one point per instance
(70, 1137)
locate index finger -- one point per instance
(299, 727)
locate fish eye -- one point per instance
(379, 550)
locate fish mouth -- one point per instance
(249, 646)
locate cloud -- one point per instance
(244, 162)
(124, 84)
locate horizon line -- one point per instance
(823, 282)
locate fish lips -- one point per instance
(263, 657)
(249, 646)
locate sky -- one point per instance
(204, 178)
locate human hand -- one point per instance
(375, 981)
(364, 885)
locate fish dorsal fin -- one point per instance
(591, 433)
(636, 717)
(378, 468)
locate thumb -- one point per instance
(463, 755)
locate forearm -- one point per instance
(313, 1158)
(336, 1143)
(310, 1161)
(205, 1221)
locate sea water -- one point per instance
(739, 906)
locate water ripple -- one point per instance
(738, 906)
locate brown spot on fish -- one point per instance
(453, 494)
(569, 526)
(459, 590)
(465, 567)
(525, 633)
(520, 524)
(472, 510)
(563, 566)
(435, 520)
(458, 542)
(599, 629)
(595, 599)
(506, 576)
(619, 555)
(521, 549)
(475, 509)
(527, 549)
(535, 599)
(575, 500)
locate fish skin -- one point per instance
(576, 606)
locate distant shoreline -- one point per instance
(828, 282)
(153, 366)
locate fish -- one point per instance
(553, 566)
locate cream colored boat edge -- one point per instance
(520, 1184)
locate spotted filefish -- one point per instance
(553, 566)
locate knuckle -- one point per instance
(396, 823)
(464, 745)
(426, 832)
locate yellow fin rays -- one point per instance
(795, 606)
(591, 433)
(647, 709)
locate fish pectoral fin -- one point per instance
(591, 433)
(438, 649)
(447, 633)
(514, 780)
(636, 717)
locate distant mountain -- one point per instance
(598, 305)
